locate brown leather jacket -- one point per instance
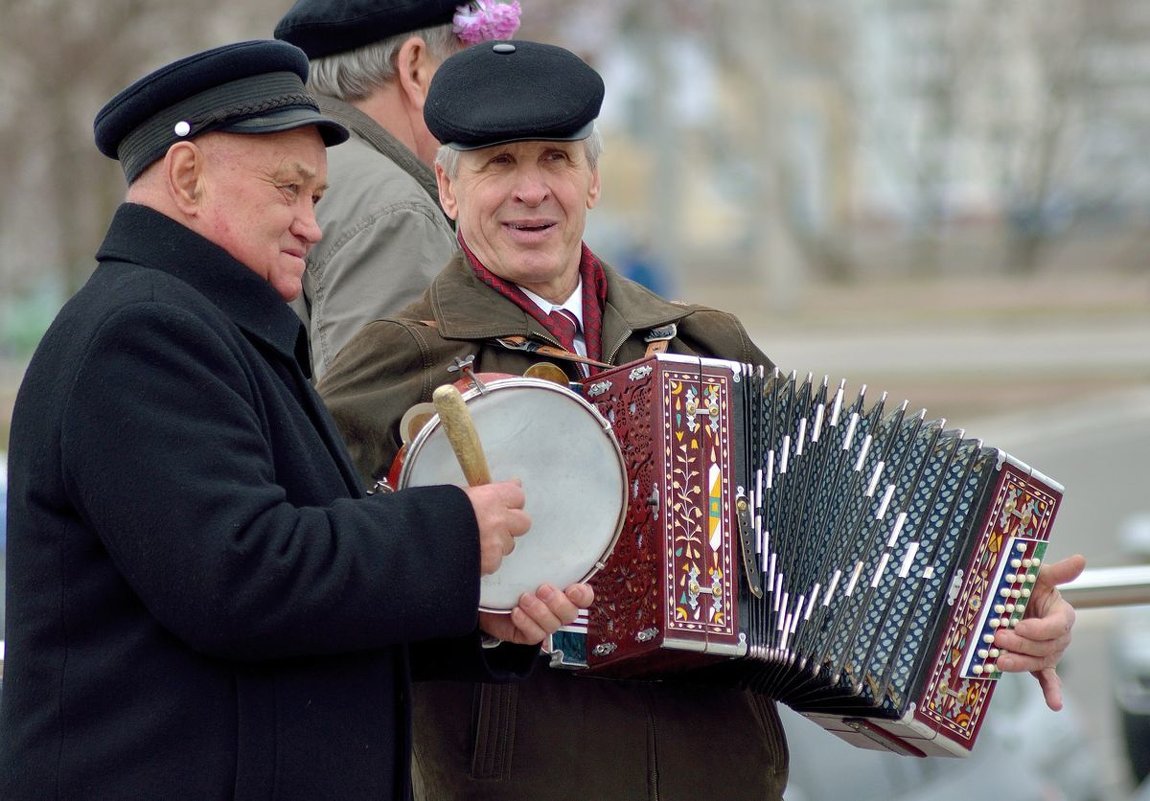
(557, 735)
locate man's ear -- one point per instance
(414, 68)
(595, 189)
(184, 171)
(446, 193)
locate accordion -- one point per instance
(849, 559)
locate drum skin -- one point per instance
(573, 475)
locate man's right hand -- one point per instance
(499, 512)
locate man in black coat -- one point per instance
(201, 602)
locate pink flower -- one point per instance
(484, 20)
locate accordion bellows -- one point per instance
(848, 558)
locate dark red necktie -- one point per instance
(566, 327)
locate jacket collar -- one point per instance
(143, 236)
(465, 308)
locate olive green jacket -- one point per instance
(391, 365)
(557, 735)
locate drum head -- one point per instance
(573, 477)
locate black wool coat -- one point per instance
(201, 603)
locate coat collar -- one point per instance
(143, 236)
(463, 307)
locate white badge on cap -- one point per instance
(503, 47)
(183, 128)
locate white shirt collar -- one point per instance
(573, 304)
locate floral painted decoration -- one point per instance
(484, 20)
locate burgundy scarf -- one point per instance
(594, 296)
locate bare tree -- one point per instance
(1035, 128)
(828, 109)
(62, 61)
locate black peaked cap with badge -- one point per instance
(327, 27)
(498, 92)
(248, 87)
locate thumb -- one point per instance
(1063, 571)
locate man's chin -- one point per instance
(289, 291)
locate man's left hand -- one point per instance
(1037, 643)
(538, 615)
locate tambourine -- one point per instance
(572, 470)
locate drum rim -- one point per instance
(429, 428)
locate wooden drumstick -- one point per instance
(461, 434)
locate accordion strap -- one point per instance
(657, 341)
(531, 346)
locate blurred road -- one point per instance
(1100, 451)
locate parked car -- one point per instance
(1131, 658)
(1046, 754)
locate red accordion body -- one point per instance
(734, 564)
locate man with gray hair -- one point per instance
(385, 235)
(519, 173)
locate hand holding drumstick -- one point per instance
(498, 507)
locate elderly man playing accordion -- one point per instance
(518, 173)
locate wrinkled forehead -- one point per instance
(300, 142)
(300, 153)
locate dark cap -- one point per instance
(326, 27)
(249, 87)
(499, 92)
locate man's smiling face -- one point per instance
(522, 208)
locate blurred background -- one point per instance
(946, 200)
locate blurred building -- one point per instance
(870, 135)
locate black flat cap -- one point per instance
(326, 27)
(499, 92)
(248, 87)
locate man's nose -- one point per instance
(531, 188)
(306, 226)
